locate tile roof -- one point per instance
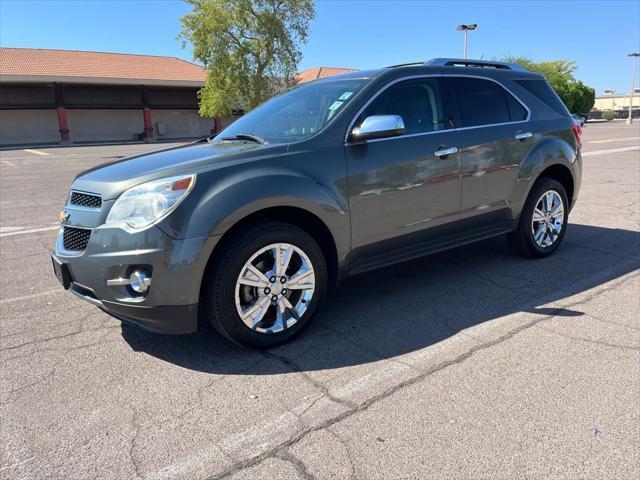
(38, 62)
(70, 65)
(321, 72)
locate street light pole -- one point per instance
(465, 43)
(465, 28)
(635, 56)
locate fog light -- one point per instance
(140, 281)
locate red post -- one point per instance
(63, 124)
(217, 125)
(148, 124)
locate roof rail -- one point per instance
(459, 62)
(409, 64)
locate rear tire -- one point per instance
(539, 237)
(241, 280)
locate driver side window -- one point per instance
(418, 101)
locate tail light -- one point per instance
(577, 132)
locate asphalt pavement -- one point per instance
(473, 363)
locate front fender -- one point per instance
(222, 202)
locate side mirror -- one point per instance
(378, 126)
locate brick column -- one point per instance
(148, 124)
(217, 125)
(64, 125)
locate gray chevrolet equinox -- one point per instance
(339, 176)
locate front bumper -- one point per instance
(176, 266)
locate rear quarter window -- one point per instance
(543, 91)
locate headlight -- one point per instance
(147, 203)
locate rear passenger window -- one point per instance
(483, 102)
(419, 102)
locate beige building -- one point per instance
(617, 101)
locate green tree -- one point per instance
(578, 97)
(251, 48)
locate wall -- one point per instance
(181, 124)
(102, 125)
(29, 127)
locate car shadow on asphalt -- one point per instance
(414, 305)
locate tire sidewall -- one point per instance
(224, 285)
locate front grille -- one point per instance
(75, 239)
(85, 200)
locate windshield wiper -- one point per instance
(247, 136)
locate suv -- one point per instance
(332, 178)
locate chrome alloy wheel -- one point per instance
(274, 288)
(548, 218)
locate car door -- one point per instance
(493, 139)
(398, 186)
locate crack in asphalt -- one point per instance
(42, 379)
(588, 340)
(63, 349)
(199, 402)
(611, 322)
(58, 337)
(298, 464)
(53, 370)
(297, 437)
(134, 438)
(311, 405)
(354, 473)
(366, 348)
(294, 367)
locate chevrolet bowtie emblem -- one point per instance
(64, 216)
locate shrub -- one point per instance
(609, 115)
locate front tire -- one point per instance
(543, 221)
(265, 285)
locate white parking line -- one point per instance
(610, 150)
(13, 232)
(611, 140)
(35, 152)
(27, 297)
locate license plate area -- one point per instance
(62, 273)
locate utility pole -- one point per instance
(635, 56)
(465, 28)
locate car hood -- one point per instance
(111, 179)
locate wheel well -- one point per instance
(298, 217)
(563, 175)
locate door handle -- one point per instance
(445, 151)
(523, 135)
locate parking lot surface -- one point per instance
(473, 363)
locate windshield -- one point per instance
(296, 114)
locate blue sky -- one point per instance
(360, 33)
